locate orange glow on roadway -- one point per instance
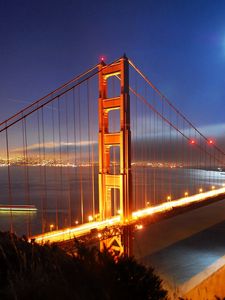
(78, 231)
(177, 203)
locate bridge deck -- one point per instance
(84, 229)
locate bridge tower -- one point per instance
(121, 139)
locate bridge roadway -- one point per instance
(185, 250)
(84, 229)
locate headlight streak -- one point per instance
(78, 231)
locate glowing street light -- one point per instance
(139, 226)
(62, 235)
(51, 226)
(186, 194)
(90, 218)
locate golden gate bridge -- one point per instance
(105, 149)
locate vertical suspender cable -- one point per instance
(27, 184)
(9, 178)
(92, 150)
(75, 138)
(55, 174)
(113, 127)
(142, 155)
(80, 166)
(68, 164)
(93, 155)
(60, 159)
(163, 179)
(178, 158)
(89, 141)
(40, 174)
(145, 150)
(44, 166)
(154, 154)
(170, 155)
(136, 149)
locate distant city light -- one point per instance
(168, 198)
(192, 142)
(186, 194)
(200, 190)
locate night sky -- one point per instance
(179, 45)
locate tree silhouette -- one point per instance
(32, 271)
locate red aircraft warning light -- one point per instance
(192, 142)
(210, 142)
(102, 58)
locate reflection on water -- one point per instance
(67, 196)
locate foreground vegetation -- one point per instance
(32, 271)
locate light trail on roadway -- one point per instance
(84, 229)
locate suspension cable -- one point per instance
(170, 104)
